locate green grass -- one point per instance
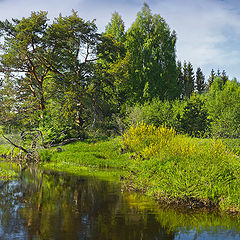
(88, 157)
(6, 172)
(197, 172)
(180, 169)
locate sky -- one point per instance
(208, 31)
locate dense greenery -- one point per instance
(69, 81)
(177, 168)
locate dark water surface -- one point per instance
(57, 206)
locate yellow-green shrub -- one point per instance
(147, 139)
(150, 141)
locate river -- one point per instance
(41, 205)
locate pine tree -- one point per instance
(224, 77)
(211, 79)
(200, 84)
(180, 79)
(188, 78)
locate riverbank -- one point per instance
(178, 169)
(6, 172)
(101, 157)
(199, 173)
(174, 169)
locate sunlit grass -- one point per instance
(185, 168)
(82, 155)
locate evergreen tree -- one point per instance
(200, 84)
(188, 76)
(180, 79)
(211, 79)
(224, 77)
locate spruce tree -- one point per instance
(180, 79)
(224, 77)
(189, 78)
(211, 79)
(200, 84)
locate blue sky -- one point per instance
(208, 31)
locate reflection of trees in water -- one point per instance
(54, 206)
(68, 207)
(11, 224)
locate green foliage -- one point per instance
(156, 112)
(185, 168)
(188, 79)
(45, 155)
(52, 67)
(195, 119)
(7, 170)
(7, 174)
(116, 27)
(223, 105)
(200, 84)
(151, 44)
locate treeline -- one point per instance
(212, 114)
(68, 80)
(190, 82)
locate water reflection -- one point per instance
(56, 206)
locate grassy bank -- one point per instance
(180, 169)
(7, 171)
(101, 158)
(172, 168)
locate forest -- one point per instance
(67, 81)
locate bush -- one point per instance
(195, 119)
(156, 112)
(223, 104)
(180, 168)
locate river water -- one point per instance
(60, 206)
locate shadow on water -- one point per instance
(58, 206)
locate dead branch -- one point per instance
(15, 145)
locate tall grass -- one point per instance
(180, 168)
(99, 154)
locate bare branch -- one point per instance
(15, 145)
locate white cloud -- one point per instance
(201, 28)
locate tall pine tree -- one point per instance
(180, 80)
(211, 79)
(224, 77)
(189, 78)
(200, 84)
